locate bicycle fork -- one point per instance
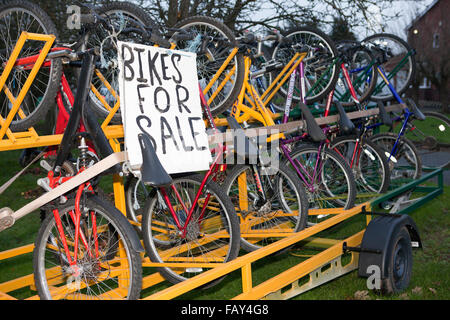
(79, 234)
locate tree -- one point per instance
(438, 73)
(242, 15)
(245, 14)
(341, 30)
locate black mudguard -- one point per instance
(377, 237)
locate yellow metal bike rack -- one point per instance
(274, 288)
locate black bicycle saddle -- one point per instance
(345, 124)
(313, 129)
(250, 149)
(152, 171)
(415, 109)
(385, 118)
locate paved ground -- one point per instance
(437, 159)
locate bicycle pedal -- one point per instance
(45, 165)
(6, 218)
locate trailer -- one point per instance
(381, 249)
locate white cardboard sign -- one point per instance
(159, 95)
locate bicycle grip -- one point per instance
(88, 18)
(182, 37)
(154, 37)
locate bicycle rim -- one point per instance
(333, 185)
(106, 80)
(405, 165)
(16, 17)
(320, 70)
(369, 167)
(262, 221)
(210, 238)
(400, 77)
(223, 91)
(109, 272)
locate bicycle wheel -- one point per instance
(321, 71)
(223, 92)
(107, 265)
(283, 211)
(136, 194)
(120, 15)
(211, 235)
(326, 176)
(405, 163)
(431, 136)
(363, 77)
(369, 167)
(399, 68)
(15, 17)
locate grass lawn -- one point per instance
(431, 266)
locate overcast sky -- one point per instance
(407, 8)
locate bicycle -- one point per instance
(84, 240)
(126, 21)
(84, 194)
(400, 151)
(308, 180)
(366, 160)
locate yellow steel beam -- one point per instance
(240, 262)
(29, 141)
(17, 283)
(4, 296)
(16, 251)
(219, 72)
(48, 39)
(293, 274)
(222, 84)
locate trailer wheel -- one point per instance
(399, 263)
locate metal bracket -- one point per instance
(346, 248)
(384, 214)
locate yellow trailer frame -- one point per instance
(270, 289)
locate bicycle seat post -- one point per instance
(83, 87)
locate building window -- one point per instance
(425, 84)
(436, 40)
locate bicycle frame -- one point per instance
(64, 92)
(406, 115)
(307, 179)
(64, 118)
(258, 103)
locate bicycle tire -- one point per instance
(330, 198)
(111, 10)
(374, 163)
(328, 58)
(116, 228)
(135, 198)
(226, 96)
(41, 94)
(280, 224)
(401, 160)
(387, 95)
(194, 246)
(441, 124)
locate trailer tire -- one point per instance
(399, 260)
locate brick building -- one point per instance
(429, 34)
